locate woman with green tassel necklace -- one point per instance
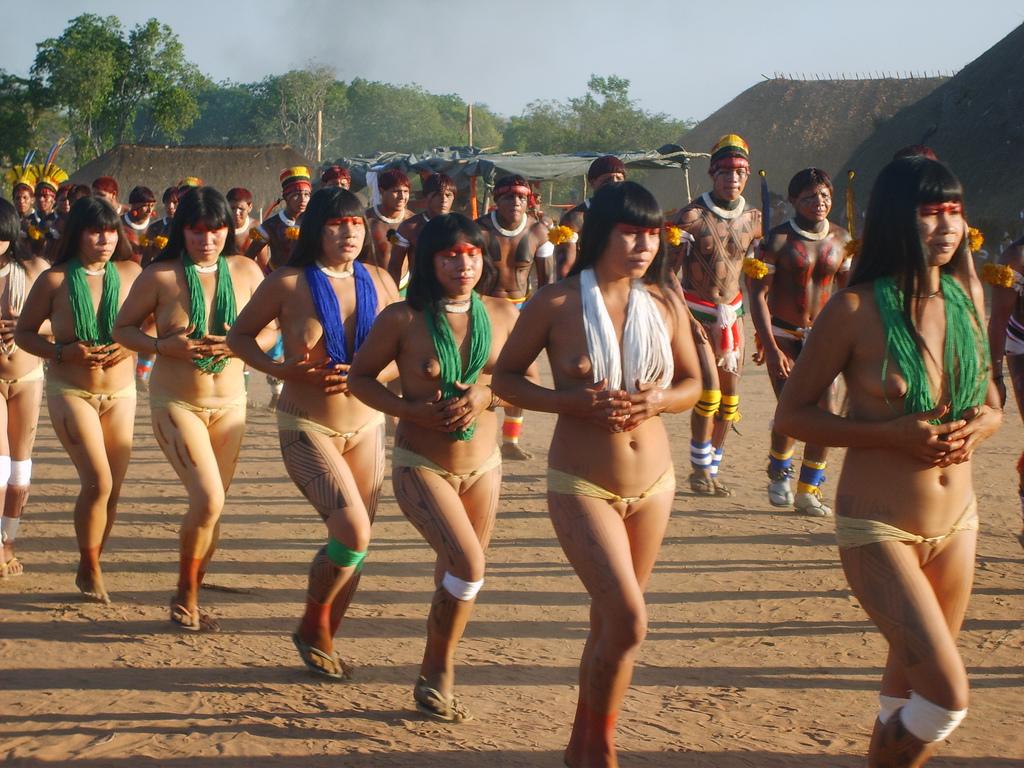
(445, 338)
(194, 289)
(325, 299)
(907, 337)
(90, 386)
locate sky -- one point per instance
(685, 59)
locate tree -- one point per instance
(604, 119)
(289, 103)
(16, 110)
(102, 79)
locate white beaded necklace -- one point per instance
(206, 268)
(459, 307)
(397, 220)
(724, 213)
(509, 232)
(338, 273)
(95, 272)
(810, 235)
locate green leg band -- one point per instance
(342, 556)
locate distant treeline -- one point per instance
(102, 85)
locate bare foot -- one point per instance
(513, 452)
(90, 584)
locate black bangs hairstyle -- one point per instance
(808, 178)
(623, 202)
(892, 242)
(440, 234)
(203, 205)
(91, 213)
(326, 204)
(10, 225)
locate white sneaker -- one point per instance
(812, 505)
(779, 493)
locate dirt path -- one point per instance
(757, 654)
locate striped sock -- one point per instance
(779, 464)
(143, 368)
(717, 460)
(701, 455)
(812, 475)
(511, 429)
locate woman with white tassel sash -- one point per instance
(618, 339)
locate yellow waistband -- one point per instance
(403, 457)
(854, 532)
(36, 374)
(57, 389)
(573, 485)
(300, 423)
(162, 401)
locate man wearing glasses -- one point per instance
(724, 230)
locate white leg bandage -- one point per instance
(930, 722)
(5, 469)
(21, 472)
(459, 589)
(887, 706)
(9, 528)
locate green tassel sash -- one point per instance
(93, 326)
(448, 353)
(224, 309)
(962, 359)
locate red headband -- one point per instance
(730, 161)
(512, 189)
(296, 186)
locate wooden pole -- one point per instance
(473, 211)
(319, 135)
(469, 123)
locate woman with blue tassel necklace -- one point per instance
(325, 301)
(90, 387)
(907, 337)
(445, 338)
(194, 289)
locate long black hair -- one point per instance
(892, 243)
(623, 202)
(10, 227)
(440, 234)
(203, 205)
(91, 213)
(326, 204)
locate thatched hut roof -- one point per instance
(255, 167)
(975, 123)
(793, 124)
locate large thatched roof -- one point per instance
(255, 167)
(793, 124)
(975, 123)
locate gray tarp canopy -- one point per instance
(463, 162)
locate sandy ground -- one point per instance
(757, 654)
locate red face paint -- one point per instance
(97, 230)
(354, 221)
(934, 209)
(459, 249)
(200, 228)
(629, 229)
